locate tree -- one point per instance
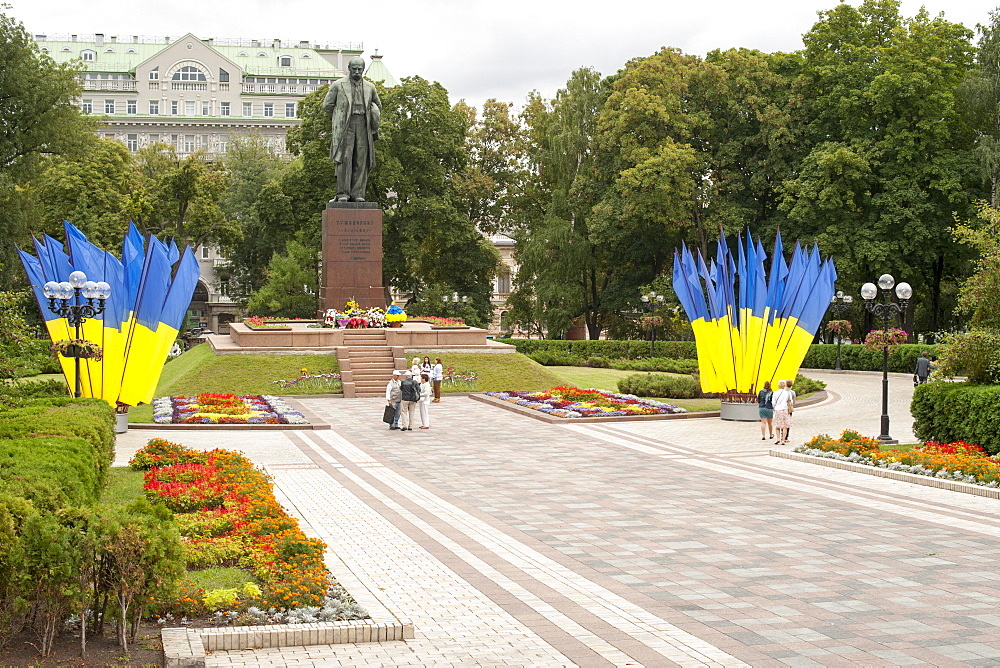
(38, 117)
(184, 197)
(980, 93)
(427, 238)
(98, 190)
(291, 286)
(562, 273)
(255, 200)
(979, 295)
(891, 152)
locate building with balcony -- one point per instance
(195, 93)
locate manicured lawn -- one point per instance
(500, 372)
(124, 486)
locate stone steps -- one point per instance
(366, 362)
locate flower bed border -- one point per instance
(315, 422)
(927, 481)
(551, 419)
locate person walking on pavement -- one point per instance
(393, 395)
(782, 402)
(437, 375)
(791, 405)
(923, 369)
(766, 411)
(410, 392)
(425, 401)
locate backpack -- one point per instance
(410, 389)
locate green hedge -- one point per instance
(627, 350)
(949, 412)
(649, 385)
(820, 356)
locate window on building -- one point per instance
(130, 50)
(132, 142)
(248, 108)
(154, 74)
(189, 73)
(204, 252)
(88, 55)
(154, 107)
(262, 55)
(306, 55)
(503, 283)
(109, 50)
(189, 143)
(268, 109)
(189, 107)
(174, 108)
(154, 138)
(109, 106)
(243, 54)
(87, 107)
(66, 48)
(223, 143)
(223, 108)
(289, 110)
(285, 61)
(132, 106)
(45, 49)
(223, 76)
(206, 108)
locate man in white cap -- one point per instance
(410, 392)
(393, 396)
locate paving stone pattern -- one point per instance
(508, 541)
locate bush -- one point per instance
(949, 412)
(664, 364)
(649, 385)
(610, 349)
(975, 354)
(556, 358)
(856, 357)
(19, 393)
(805, 385)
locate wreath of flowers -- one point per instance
(885, 339)
(77, 348)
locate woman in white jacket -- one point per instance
(425, 401)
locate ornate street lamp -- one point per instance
(840, 303)
(886, 310)
(59, 296)
(650, 302)
(454, 299)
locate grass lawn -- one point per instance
(124, 486)
(42, 376)
(499, 372)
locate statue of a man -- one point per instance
(355, 110)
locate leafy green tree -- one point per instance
(14, 342)
(98, 190)
(291, 286)
(980, 93)
(255, 200)
(891, 152)
(40, 117)
(979, 295)
(183, 197)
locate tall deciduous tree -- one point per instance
(891, 158)
(981, 94)
(290, 288)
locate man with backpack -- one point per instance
(410, 391)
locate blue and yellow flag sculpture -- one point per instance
(151, 287)
(747, 328)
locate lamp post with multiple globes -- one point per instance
(840, 303)
(886, 310)
(64, 300)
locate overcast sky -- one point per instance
(476, 49)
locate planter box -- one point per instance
(740, 412)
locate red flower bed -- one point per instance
(224, 484)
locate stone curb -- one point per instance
(927, 481)
(187, 648)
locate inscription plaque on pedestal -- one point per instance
(352, 255)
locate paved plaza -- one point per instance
(509, 541)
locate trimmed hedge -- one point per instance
(626, 350)
(648, 385)
(949, 412)
(820, 356)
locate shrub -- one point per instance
(35, 389)
(649, 385)
(805, 385)
(664, 364)
(610, 349)
(949, 412)
(975, 354)
(556, 358)
(857, 358)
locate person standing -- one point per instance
(437, 376)
(923, 369)
(766, 411)
(393, 395)
(410, 393)
(791, 404)
(425, 401)
(355, 111)
(415, 370)
(782, 403)
(426, 366)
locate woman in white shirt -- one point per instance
(437, 375)
(782, 401)
(425, 401)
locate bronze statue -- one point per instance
(355, 110)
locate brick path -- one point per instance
(508, 541)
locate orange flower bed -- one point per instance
(965, 462)
(222, 483)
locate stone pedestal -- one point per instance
(352, 255)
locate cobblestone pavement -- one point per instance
(509, 541)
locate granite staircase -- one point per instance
(366, 362)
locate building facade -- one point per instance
(195, 93)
